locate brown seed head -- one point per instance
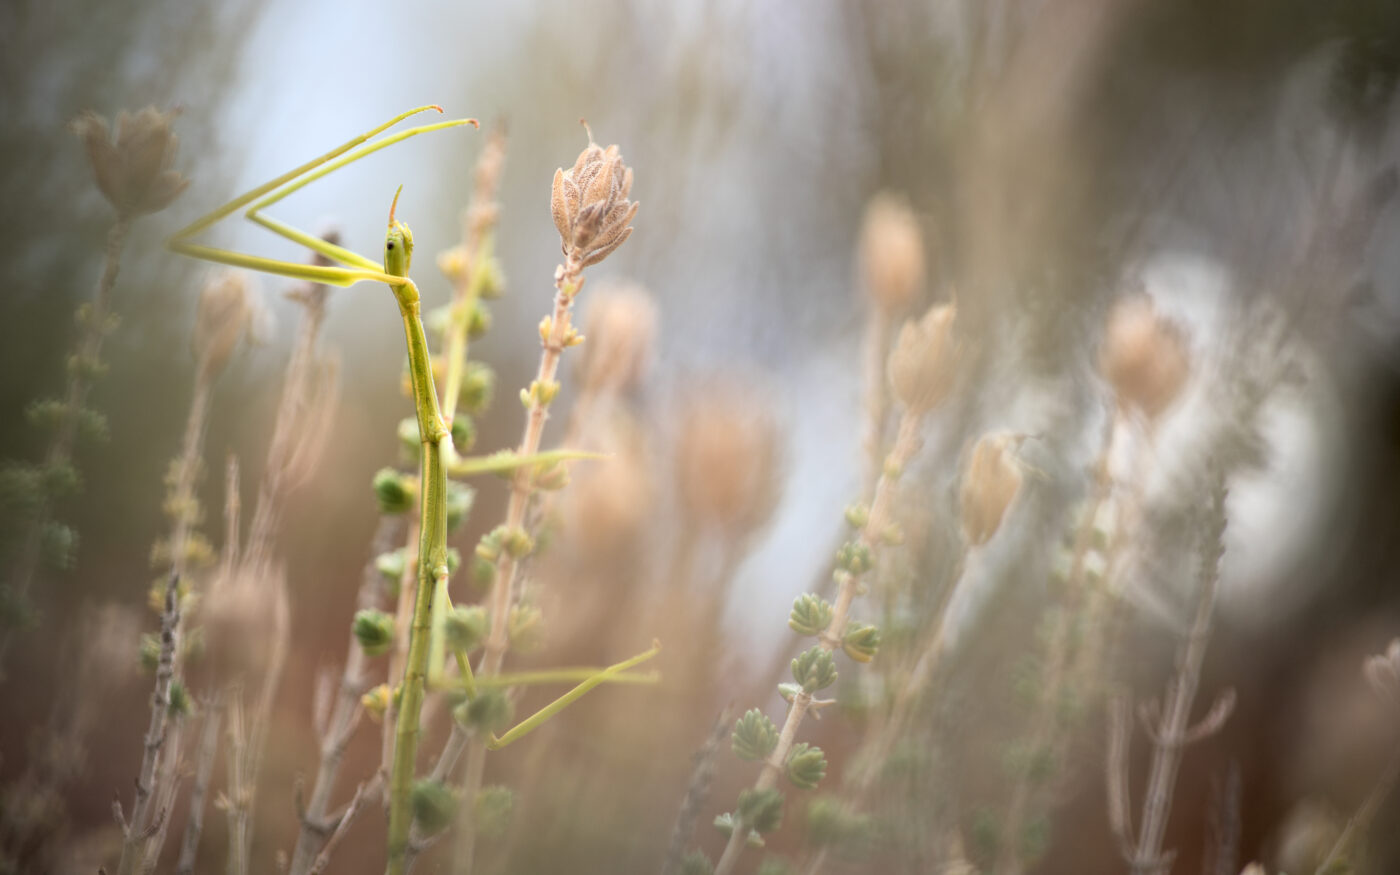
(990, 485)
(134, 172)
(620, 328)
(891, 253)
(922, 365)
(1144, 357)
(225, 315)
(727, 460)
(590, 205)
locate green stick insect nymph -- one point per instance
(427, 648)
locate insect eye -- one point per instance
(390, 246)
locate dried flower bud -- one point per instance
(590, 205)
(990, 485)
(225, 316)
(133, 172)
(727, 459)
(620, 327)
(921, 365)
(1144, 357)
(891, 253)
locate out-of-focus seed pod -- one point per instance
(727, 460)
(991, 484)
(922, 365)
(224, 317)
(134, 171)
(892, 259)
(620, 327)
(1144, 357)
(242, 612)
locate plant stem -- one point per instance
(345, 716)
(881, 506)
(208, 749)
(137, 828)
(86, 351)
(567, 283)
(1361, 820)
(1171, 736)
(432, 564)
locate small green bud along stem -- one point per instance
(432, 564)
(905, 444)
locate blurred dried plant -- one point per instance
(134, 171)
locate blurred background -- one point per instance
(1235, 161)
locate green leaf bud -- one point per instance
(806, 766)
(762, 810)
(391, 564)
(434, 806)
(374, 630)
(395, 492)
(478, 382)
(754, 736)
(463, 432)
(488, 712)
(811, 614)
(814, 669)
(861, 642)
(854, 556)
(466, 627)
(180, 704)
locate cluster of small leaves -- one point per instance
(861, 642)
(434, 805)
(465, 627)
(830, 823)
(854, 557)
(374, 630)
(814, 669)
(397, 493)
(806, 766)
(811, 614)
(488, 712)
(755, 736)
(762, 810)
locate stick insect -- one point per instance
(427, 639)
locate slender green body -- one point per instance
(432, 545)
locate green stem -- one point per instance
(432, 565)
